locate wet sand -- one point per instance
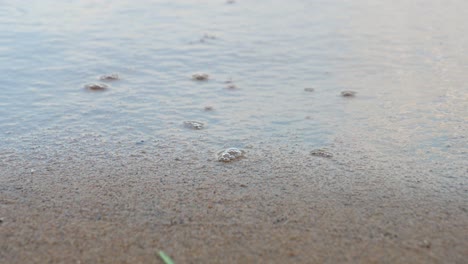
(277, 205)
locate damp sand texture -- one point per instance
(217, 131)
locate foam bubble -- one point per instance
(230, 154)
(194, 125)
(96, 87)
(200, 76)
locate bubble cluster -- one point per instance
(96, 87)
(230, 154)
(194, 125)
(109, 77)
(200, 76)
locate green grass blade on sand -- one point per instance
(165, 257)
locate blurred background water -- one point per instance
(407, 61)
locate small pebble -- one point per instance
(109, 77)
(309, 89)
(96, 87)
(348, 93)
(230, 154)
(321, 153)
(208, 108)
(200, 76)
(194, 125)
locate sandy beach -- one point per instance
(348, 119)
(270, 207)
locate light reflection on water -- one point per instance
(408, 67)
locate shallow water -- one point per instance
(407, 61)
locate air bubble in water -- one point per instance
(200, 76)
(194, 125)
(109, 77)
(348, 93)
(96, 87)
